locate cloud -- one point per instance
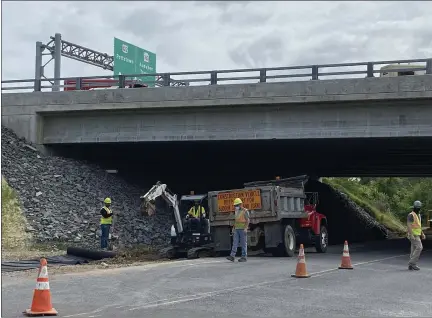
(260, 52)
(205, 35)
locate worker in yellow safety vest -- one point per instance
(196, 211)
(106, 221)
(414, 234)
(241, 225)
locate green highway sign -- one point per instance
(130, 59)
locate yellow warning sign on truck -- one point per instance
(251, 200)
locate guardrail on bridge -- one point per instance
(311, 72)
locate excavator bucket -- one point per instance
(151, 209)
(148, 208)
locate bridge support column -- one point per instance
(29, 127)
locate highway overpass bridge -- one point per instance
(327, 127)
(347, 108)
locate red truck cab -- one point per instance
(313, 229)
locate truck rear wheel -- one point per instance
(321, 240)
(288, 246)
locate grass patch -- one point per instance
(14, 235)
(389, 220)
(16, 242)
(137, 253)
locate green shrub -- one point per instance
(368, 197)
(13, 221)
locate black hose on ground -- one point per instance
(90, 254)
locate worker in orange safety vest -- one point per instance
(241, 224)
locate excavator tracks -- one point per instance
(173, 252)
(168, 252)
(200, 252)
(176, 253)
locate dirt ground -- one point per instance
(126, 258)
(16, 255)
(97, 265)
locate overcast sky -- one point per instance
(188, 36)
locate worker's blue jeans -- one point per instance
(105, 228)
(240, 236)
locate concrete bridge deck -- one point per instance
(367, 107)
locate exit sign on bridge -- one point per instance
(130, 59)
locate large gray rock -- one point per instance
(61, 198)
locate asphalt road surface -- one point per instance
(379, 285)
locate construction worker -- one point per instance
(414, 234)
(196, 211)
(106, 221)
(241, 225)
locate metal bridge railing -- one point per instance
(305, 72)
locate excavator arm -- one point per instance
(161, 190)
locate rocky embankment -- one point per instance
(61, 198)
(347, 220)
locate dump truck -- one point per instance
(282, 215)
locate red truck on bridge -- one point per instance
(99, 83)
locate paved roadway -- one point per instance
(380, 285)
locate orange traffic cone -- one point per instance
(41, 304)
(301, 271)
(346, 259)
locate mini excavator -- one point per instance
(190, 237)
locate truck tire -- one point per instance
(321, 240)
(288, 246)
